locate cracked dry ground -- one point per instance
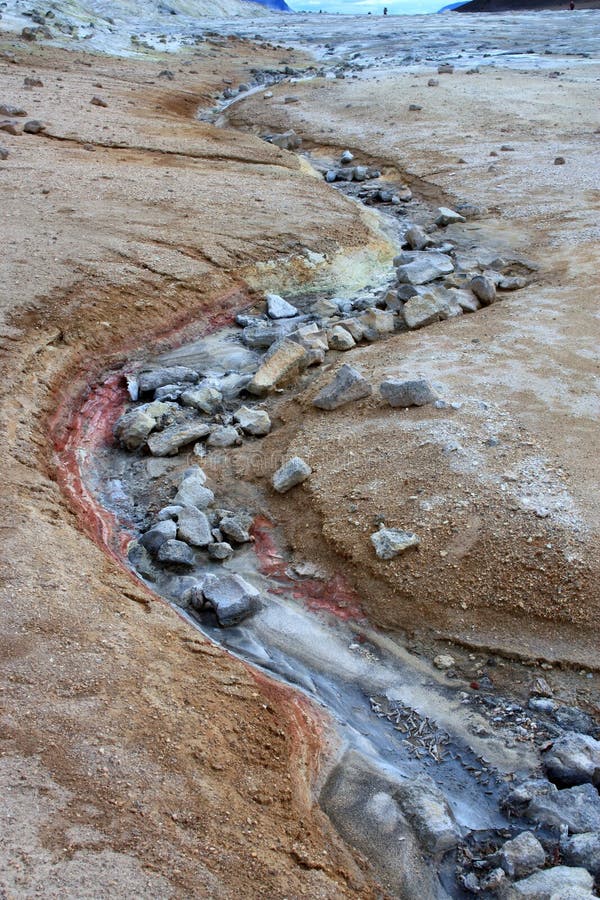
(137, 759)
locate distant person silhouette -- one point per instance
(572, 4)
(385, 9)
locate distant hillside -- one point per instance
(493, 6)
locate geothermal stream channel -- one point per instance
(393, 716)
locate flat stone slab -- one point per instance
(150, 381)
(427, 267)
(347, 386)
(540, 801)
(169, 441)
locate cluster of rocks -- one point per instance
(187, 407)
(191, 531)
(11, 124)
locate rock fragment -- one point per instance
(13, 112)
(416, 238)
(155, 537)
(554, 882)
(448, 216)
(444, 661)
(582, 850)
(340, 339)
(578, 808)
(389, 542)
(151, 380)
(231, 527)
(484, 289)
(573, 759)
(4, 154)
(220, 550)
(278, 308)
(407, 393)
(98, 101)
(193, 527)
(422, 310)
(232, 598)
(223, 436)
(522, 855)
(291, 473)
(172, 439)
(34, 126)
(204, 398)
(253, 421)
(347, 386)
(286, 361)
(424, 268)
(176, 553)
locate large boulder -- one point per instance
(346, 386)
(582, 850)
(573, 759)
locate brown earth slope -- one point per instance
(136, 760)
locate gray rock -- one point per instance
(193, 527)
(193, 492)
(232, 598)
(170, 392)
(253, 421)
(347, 386)
(4, 154)
(466, 299)
(448, 217)
(389, 542)
(133, 428)
(445, 69)
(232, 527)
(578, 808)
(426, 808)
(582, 850)
(220, 550)
(377, 322)
(204, 398)
(573, 759)
(223, 436)
(155, 537)
(423, 310)
(232, 385)
(98, 101)
(34, 126)
(522, 856)
(325, 308)
(425, 268)
(282, 365)
(291, 473)
(7, 109)
(484, 289)
(150, 381)
(572, 718)
(169, 512)
(261, 337)
(514, 283)
(433, 82)
(345, 158)
(354, 327)
(176, 553)
(30, 82)
(11, 127)
(416, 238)
(172, 439)
(278, 308)
(340, 339)
(407, 393)
(545, 885)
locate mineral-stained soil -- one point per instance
(136, 758)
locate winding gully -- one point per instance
(424, 771)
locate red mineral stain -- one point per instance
(335, 595)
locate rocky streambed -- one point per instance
(449, 789)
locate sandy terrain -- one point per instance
(136, 758)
